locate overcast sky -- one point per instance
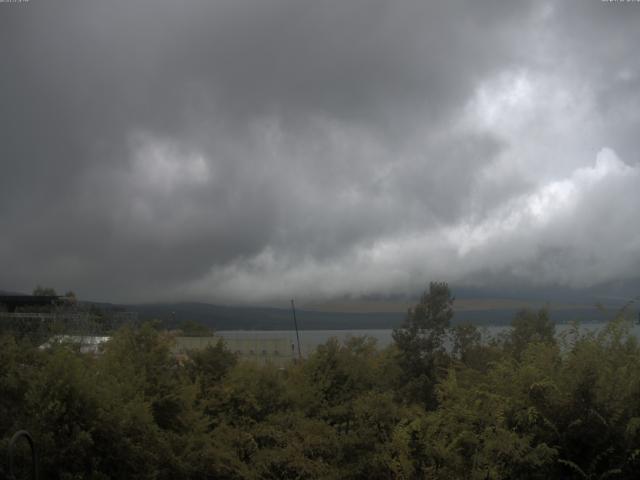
(251, 151)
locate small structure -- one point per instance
(40, 317)
(10, 303)
(86, 344)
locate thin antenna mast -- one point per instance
(295, 322)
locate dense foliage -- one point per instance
(440, 403)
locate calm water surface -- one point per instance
(310, 339)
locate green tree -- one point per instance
(41, 291)
(420, 343)
(191, 328)
(530, 327)
(71, 298)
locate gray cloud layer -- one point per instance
(253, 150)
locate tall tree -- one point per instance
(530, 327)
(41, 291)
(420, 343)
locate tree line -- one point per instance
(440, 402)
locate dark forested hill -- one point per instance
(264, 318)
(472, 306)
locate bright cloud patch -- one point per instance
(551, 235)
(162, 167)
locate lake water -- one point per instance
(310, 339)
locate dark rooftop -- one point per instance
(11, 302)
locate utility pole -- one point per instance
(295, 323)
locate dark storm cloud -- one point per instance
(250, 149)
